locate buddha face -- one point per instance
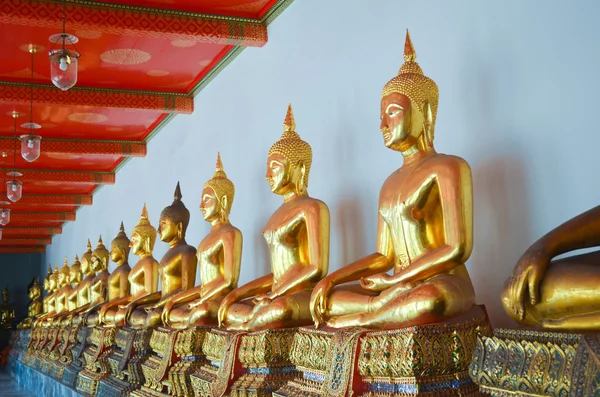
(137, 244)
(74, 274)
(116, 254)
(168, 230)
(97, 264)
(401, 125)
(62, 279)
(34, 293)
(46, 284)
(52, 283)
(210, 205)
(281, 175)
(85, 265)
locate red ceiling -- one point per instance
(141, 61)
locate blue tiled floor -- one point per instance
(9, 388)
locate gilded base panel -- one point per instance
(429, 360)
(265, 357)
(175, 354)
(118, 384)
(77, 363)
(64, 352)
(95, 355)
(537, 363)
(215, 377)
(141, 344)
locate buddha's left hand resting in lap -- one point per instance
(297, 235)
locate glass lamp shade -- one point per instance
(63, 68)
(14, 190)
(30, 147)
(0, 233)
(4, 216)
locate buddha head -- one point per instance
(63, 274)
(100, 257)
(409, 104)
(119, 247)
(53, 281)
(47, 278)
(217, 196)
(36, 290)
(289, 161)
(174, 220)
(75, 272)
(86, 260)
(143, 236)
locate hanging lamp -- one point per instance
(4, 210)
(14, 187)
(63, 62)
(31, 143)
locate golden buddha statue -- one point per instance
(99, 285)
(425, 224)
(75, 276)
(297, 235)
(64, 290)
(35, 307)
(83, 291)
(50, 299)
(118, 282)
(558, 294)
(143, 278)
(177, 267)
(46, 287)
(219, 257)
(7, 314)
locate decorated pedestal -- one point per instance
(28, 356)
(428, 360)
(69, 339)
(54, 351)
(120, 383)
(215, 377)
(96, 360)
(71, 371)
(175, 353)
(42, 362)
(537, 363)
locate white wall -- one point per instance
(518, 99)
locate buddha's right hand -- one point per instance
(224, 308)
(318, 301)
(166, 313)
(526, 277)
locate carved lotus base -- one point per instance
(534, 363)
(71, 371)
(141, 345)
(216, 375)
(118, 359)
(88, 381)
(113, 387)
(429, 360)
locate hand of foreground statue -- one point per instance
(262, 300)
(377, 282)
(318, 301)
(166, 313)
(224, 308)
(526, 278)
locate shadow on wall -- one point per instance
(502, 230)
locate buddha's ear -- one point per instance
(428, 123)
(180, 230)
(224, 202)
(300, 185)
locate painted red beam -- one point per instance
(83, 177)
(82, 147)
(22, 250)
(30, 231)
(60, 199)
(121, 20)
(25, 241)
(46, 94)
(40, 217)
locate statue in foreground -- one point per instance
(549, 294)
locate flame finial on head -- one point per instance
(410, 54)
(121, 242)
(289, 124)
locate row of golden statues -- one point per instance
(416, 276)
